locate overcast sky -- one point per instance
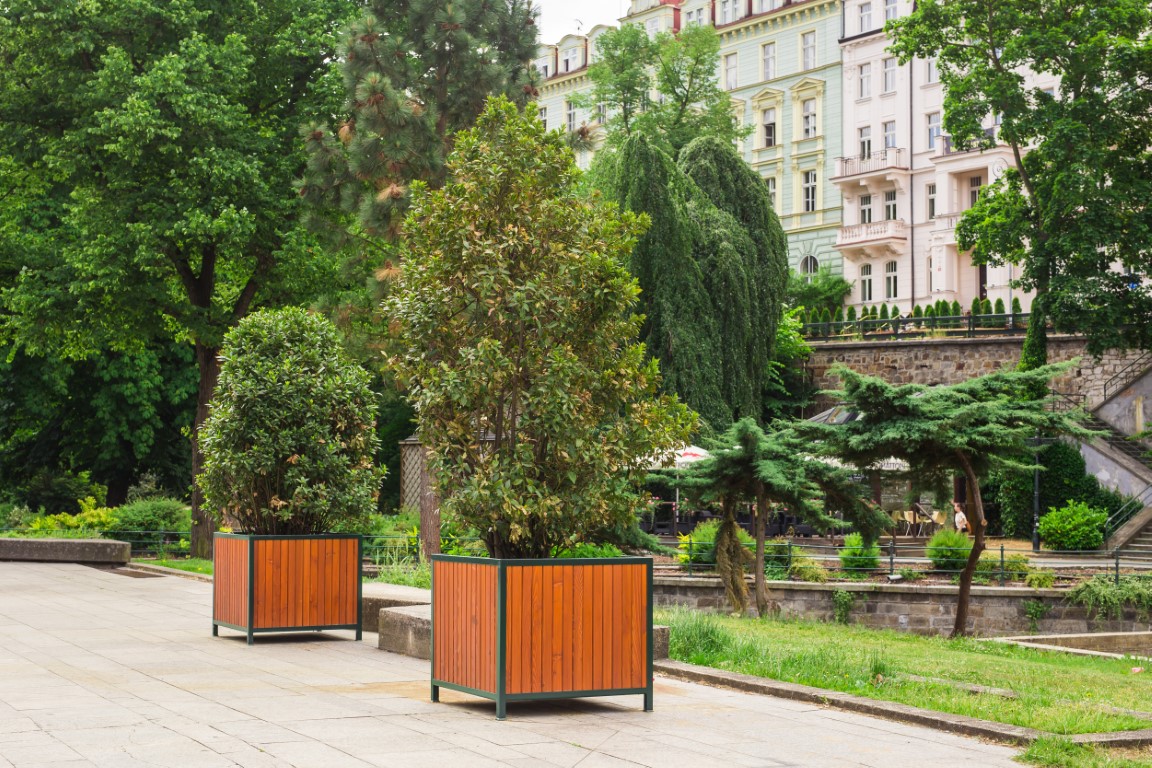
(563, 17)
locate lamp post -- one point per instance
(1037, 443)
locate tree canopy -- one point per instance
(515, 333)
(971, 429)
(1072, 211)
(152, 151)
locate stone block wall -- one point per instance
(949, 361)
(924, 610)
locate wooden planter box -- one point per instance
(520, 630)
(286, 583)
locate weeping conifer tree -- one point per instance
(680, 329)
(415, 72)
(734, 188)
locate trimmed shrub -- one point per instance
(590, 550)
(288, 445)
(806, 568)
(839, 316)
(1040, 579)
(948, 550)
(699, 546)
(1016, 566)
(998, 309)
(883, 311)
(857, 558)
(1074, 526)
(851, 315)
(956, 311)
(930, 317)
(976, 309)
(1016, 307)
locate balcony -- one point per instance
(946, 147)
(878, 238)
(881, 162)
(944, 232)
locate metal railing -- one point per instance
(1129, 510)
(950, 326)
(1127, 375)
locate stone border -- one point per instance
(904, 713)
(165, 571)
(48, 550)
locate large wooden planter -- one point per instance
(518, 630)
(286, 583)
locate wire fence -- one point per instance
(959, 326)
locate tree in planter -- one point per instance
(971, 428)
(514, 319)
(289, 441)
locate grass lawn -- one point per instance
(416, 575)
(1058, 693)
(193, 564)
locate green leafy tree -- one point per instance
(823, 289)
(972, 428)
(1073, 204)
(681, 68)
(289, 443)
(155, 154)
(515, 319)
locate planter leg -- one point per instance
(435, 694)
(215, 630)
(501, 709)
(251, 639)
(648, 701)
(359, 633)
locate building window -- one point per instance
(889, 10)
(653, 27)
(570, 115)
(865, 74)
(865, 17)
(728, 11)
(889, 67)
(933, 129)
(543, 115)
(890, 205)
(544, 71)
(809, 191)
(601, 113)
(571, 59)
(866, 282)
(730, 71)
(865, 135)
(931, 74)
(770, 182)
(808, 50)
(890, 285)
(974, 185)
(808, 110)
(931, 190)
(694, 17)
(768, 56)
(809, 267)
(769, 122)
(865, 209)
(769, 5)
(889, 134)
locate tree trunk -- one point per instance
(976, 523)
(203, 521)
(761, 523)
(730, 559)
(429, 513)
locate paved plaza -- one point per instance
(100, 669)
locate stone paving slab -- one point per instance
(97, 669)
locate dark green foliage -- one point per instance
(917, 312)
(851, 316)
(1075, 526)
(680, 328)
(1017, 309)
(998, 308)
(873, 312)
(842, 602)
(839, 315)
(153, 515)
(823, 289)
(856, 557)
(1064, 478)
(825, 318)
(883, 311)
(584, 549)
(1105, 598)
(955, 310)
(289, 443)
(930, 317)
(415, 73)
(698, 546)
(56, 492)
(948, 550)
(976, 309)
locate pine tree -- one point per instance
(851, 316)
(930, 317)
(998, 309)
(883, 311)
(1017, 310)
(957, 313)
(415, 72)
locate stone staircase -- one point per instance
(1139, 547)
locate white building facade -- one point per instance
(904, 184)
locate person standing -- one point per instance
(960, 518)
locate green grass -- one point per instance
(1057, 693)
(1061, 753)
(193, 564)
(408, 575)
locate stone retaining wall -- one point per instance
(925, 610)
(96, 551)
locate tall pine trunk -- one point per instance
(730, 559)
(761, 522)
(203, 522)
(977, 524)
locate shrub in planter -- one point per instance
(1074, 526)
(948, 550)
(857, 558)
(288, 448)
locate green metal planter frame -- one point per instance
(500, 695)
(249, 630)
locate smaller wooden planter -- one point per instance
(521, 630)
(286, 583)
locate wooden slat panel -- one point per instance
(464, 597)
(230, 585)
